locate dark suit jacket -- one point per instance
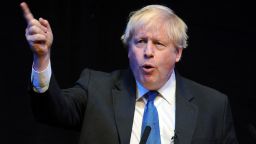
(102, 106)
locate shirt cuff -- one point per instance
(41, 79)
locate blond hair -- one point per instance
(176, 28)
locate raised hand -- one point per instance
(39, 36)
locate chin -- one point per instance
(151, 85)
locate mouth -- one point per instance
(148, 68)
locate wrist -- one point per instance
(41, 62)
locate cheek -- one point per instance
(132, 59)
(130, 55)
(133, 56)
(168, 62)
(131, 52)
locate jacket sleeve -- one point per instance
(61, 107)
(229, 135)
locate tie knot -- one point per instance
(151, 95)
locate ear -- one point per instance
(178, 54)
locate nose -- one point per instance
(149, 50)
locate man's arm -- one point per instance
(50, 104)
(39, 36)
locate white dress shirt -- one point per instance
(164, 102)
(41, 79)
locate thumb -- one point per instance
(45, 23)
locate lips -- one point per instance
(148, 68)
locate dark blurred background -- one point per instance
(87, 34)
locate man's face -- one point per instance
(152, 56)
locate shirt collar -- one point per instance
(167, 91)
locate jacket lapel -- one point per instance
(186, 113)
(124, 96)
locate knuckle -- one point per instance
(32, 22)
(29, 38)
(31, 30)
(40, 37)
(37, 37)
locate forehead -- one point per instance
(154, 31)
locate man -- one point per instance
(118, 107)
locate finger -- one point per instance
(35, 30)
(36, 38)
(26, 11)
(35, 22)
(45, 23)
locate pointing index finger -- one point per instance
(26, 11)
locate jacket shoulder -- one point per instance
(100, 77)
(202, 91)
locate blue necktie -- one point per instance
(150, 118)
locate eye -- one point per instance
(140, 41)
(159, 45)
